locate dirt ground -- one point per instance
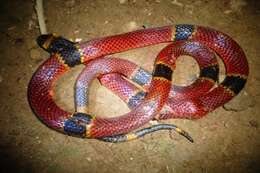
(226, 140)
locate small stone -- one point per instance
(189, 8)
(78, 39)
(31, 44)
(131, 158)
(227, 11)
(89, 159)
(132, 26)
(1, 78)
(122, 1)
(175, 2)
(35, 54)
(76, 31)
(253, 123)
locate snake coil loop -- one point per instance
(157, 99)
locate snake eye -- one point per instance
(76, 125)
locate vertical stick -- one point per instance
(39, 10)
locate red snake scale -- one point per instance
(66, 54)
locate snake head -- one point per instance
(78, 124)
(66, 49)
(45, 40)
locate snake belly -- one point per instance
(66, 54)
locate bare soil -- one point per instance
(226, 140)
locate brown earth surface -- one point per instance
(226, 140)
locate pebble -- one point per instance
(35, 54)
(76, 31)
(132, 26)
(175, 2)
(31, 44)
(89, 159)
(227, 11)
(78, 39)
(189, 9)
(122, 1)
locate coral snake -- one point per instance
(158, 99)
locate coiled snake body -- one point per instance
(66, 54)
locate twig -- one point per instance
(39, 10)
